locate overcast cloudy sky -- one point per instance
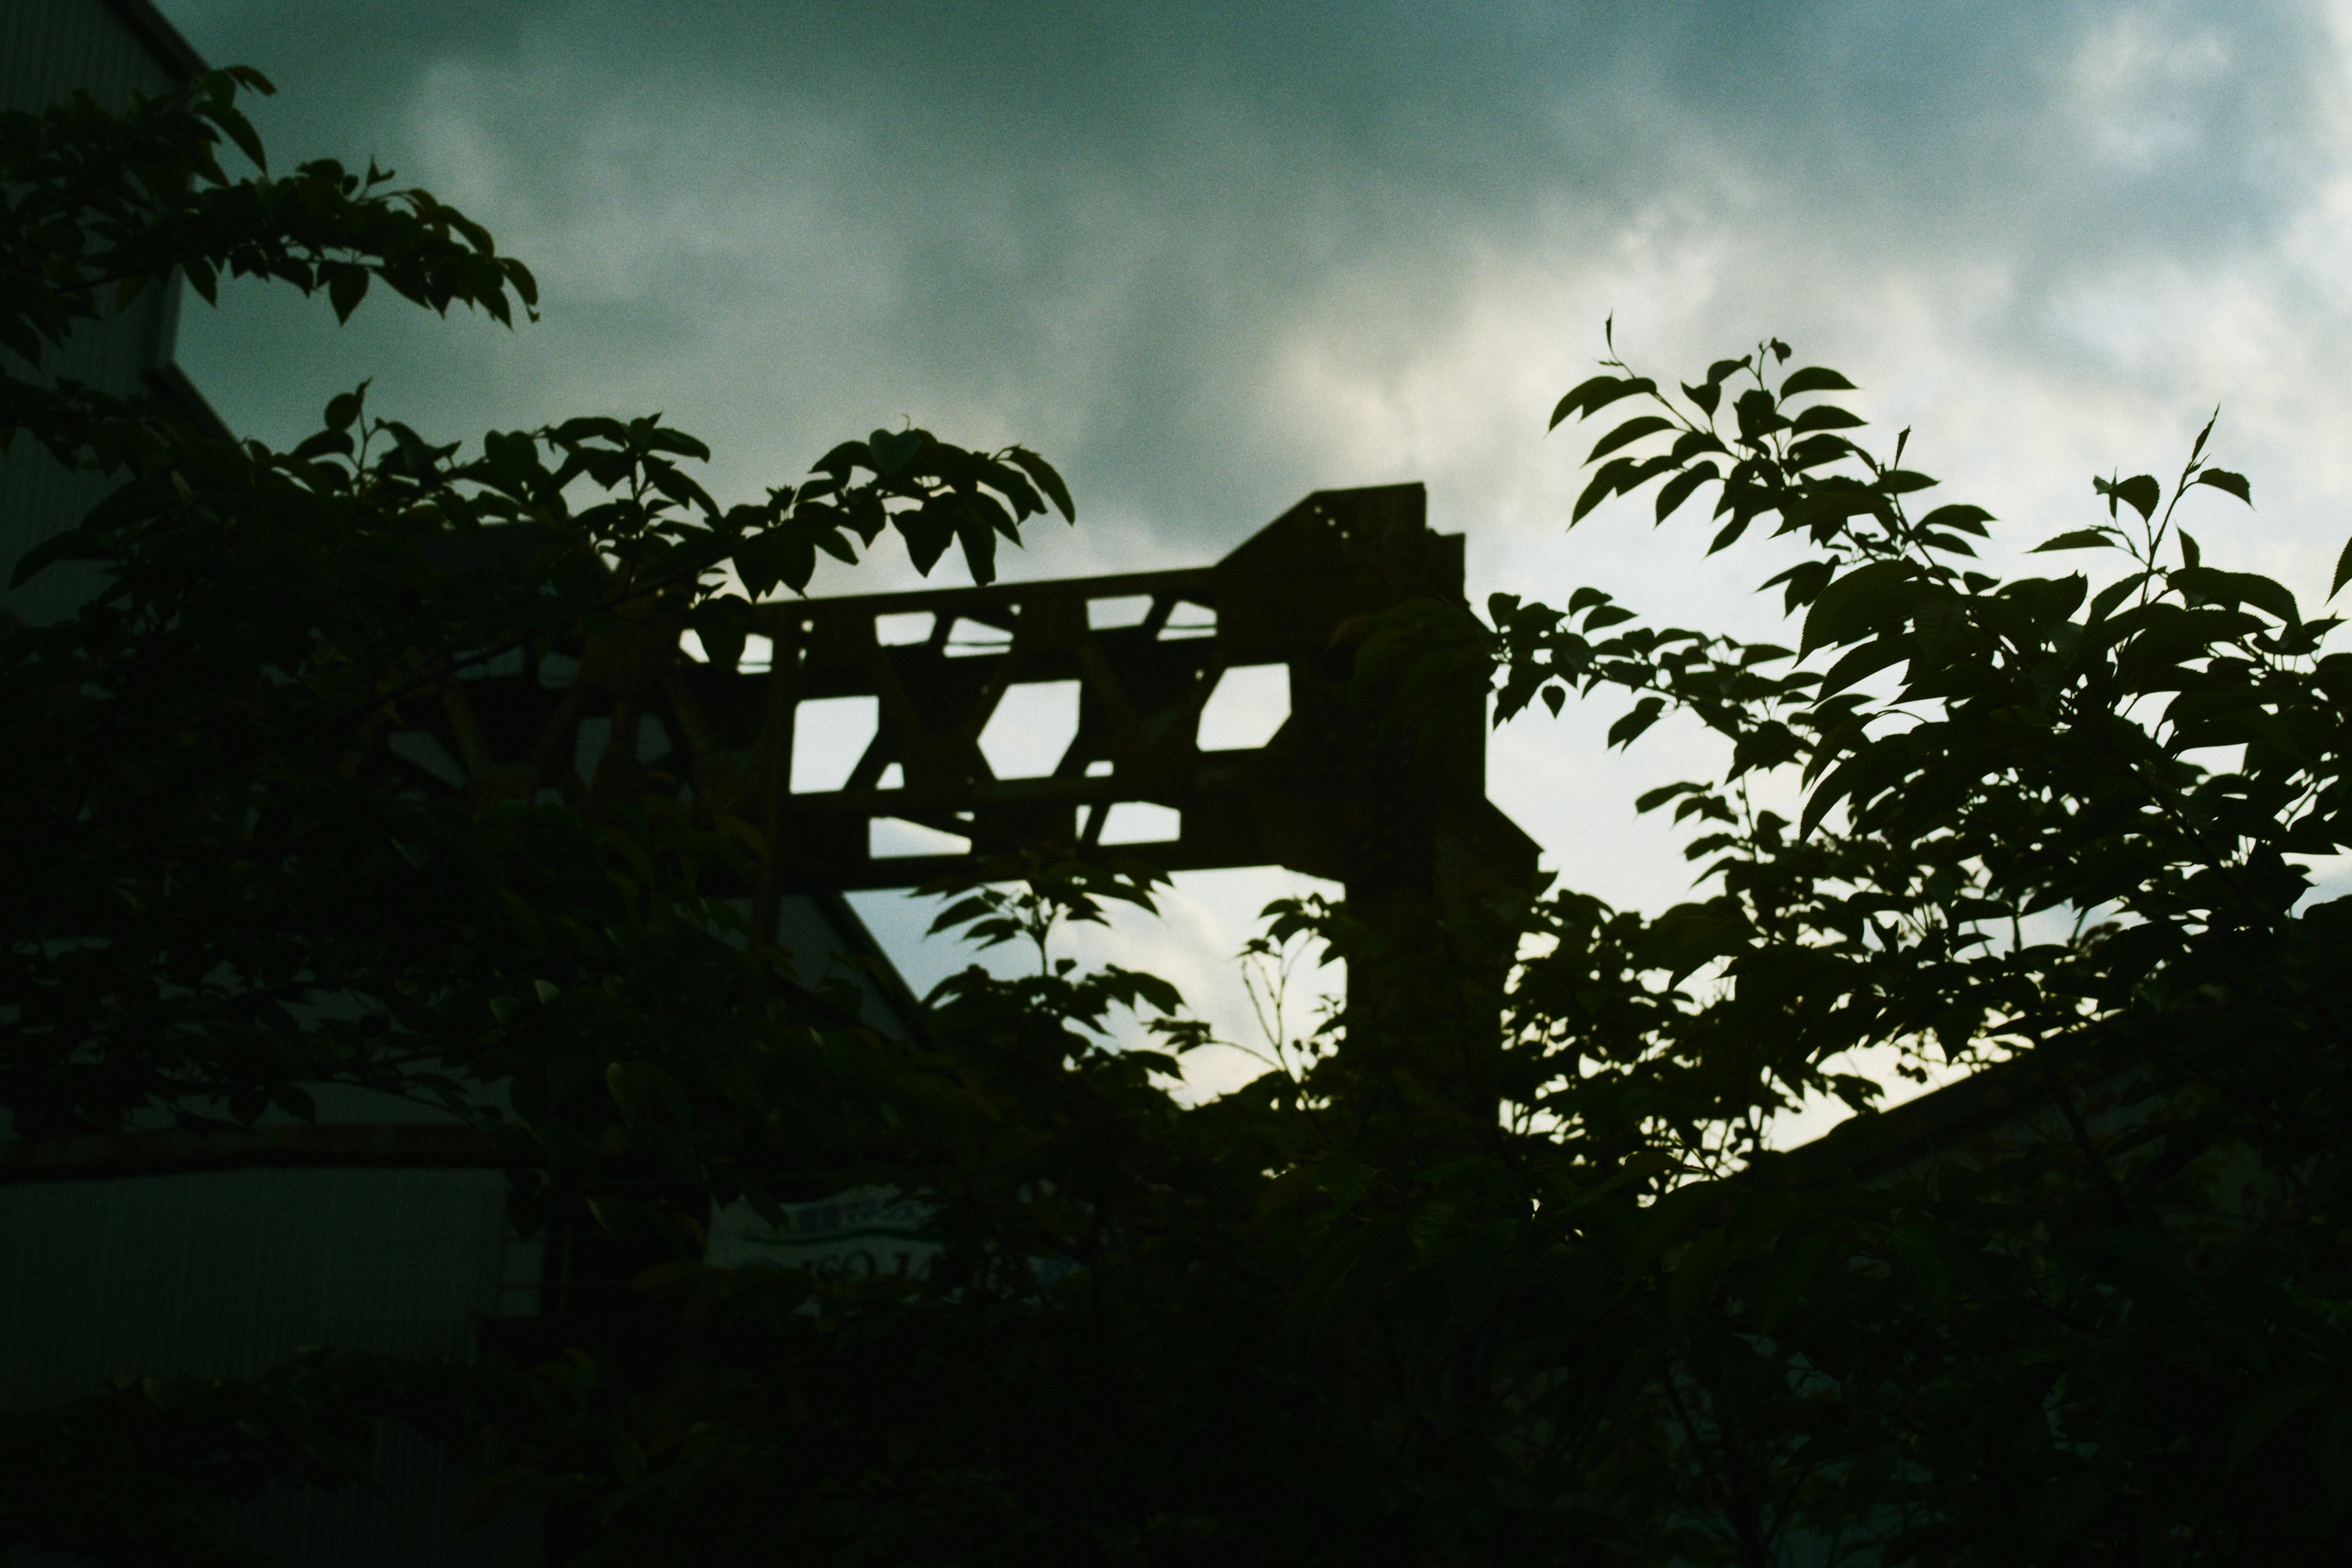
(1211, 258)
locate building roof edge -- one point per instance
(152, 28)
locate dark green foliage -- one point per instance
(1429, 1291)
(2048, 823)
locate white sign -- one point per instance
(861, 1233)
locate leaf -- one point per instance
(1628, 729)
(127, 292)
(240, 131)
(1825, 416)
(1815, 378)
(2115, 594)
(590, 427)
(1478, 1271)
(977, 907)
(2207, 585)
(1286, 1191)
(2331, 1453)
(1428, 1222)
(1795, 1261)
(2079, 538)
(1345, 1273)
(1824, 509)
(1757, 415)
(1805, 580)
(724, 625)
(1691, 443)
(1959, 516)
(626, 1083)
(1603, 485)
(1653, 799)
(764, 561)
(1694, 1276)
(1854, 591)
(1597, 393)
(1921, 1253)
(1345, 1181)
(660, 439)
(1573, 402)
(347, 285)
(2229, 483)
(927, 535)
(680, 487)
(893, 450)
(70, 545)
(2254, 1423)
(1047, 479)
(2064, 1509)
(977, 533)
(1860, 663)
(843, 459)
(2342, 570)
(1627, 434)
(2140, 492)
(1679, 489)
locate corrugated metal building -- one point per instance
(48, 47)
(378, 1228)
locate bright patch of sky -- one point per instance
(1211, 258)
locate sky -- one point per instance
(1211, 258)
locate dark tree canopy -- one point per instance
(1425, 1292)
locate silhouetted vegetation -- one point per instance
(1425, 1292)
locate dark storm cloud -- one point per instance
(1101, 227)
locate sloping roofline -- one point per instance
(163, 40)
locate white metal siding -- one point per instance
(229, 1273)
